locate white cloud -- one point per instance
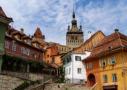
(53, 16)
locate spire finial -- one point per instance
(73, 9)
(73, 14)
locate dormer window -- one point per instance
(102, 63)
(112, 60)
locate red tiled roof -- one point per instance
(109, 43)
(3, 15)
(2, 12)
(89, 39)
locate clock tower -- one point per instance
(74, 35)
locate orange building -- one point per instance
(52, 56)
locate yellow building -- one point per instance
(111, 56)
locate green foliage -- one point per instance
(61, 76)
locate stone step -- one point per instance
(61, 87)
(9, 83)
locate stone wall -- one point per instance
(9, 83)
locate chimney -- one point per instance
(22, 30)
(116, 30)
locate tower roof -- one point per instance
(38, 33)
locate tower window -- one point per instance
(75, 38)
(72, 37)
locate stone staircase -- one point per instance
(57, 86)
(12, 80)
(9, 82)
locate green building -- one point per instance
(4, 23)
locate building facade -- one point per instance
(74, 35)
(107, 65)
(20, 52)
(74, 69)
(4, 22)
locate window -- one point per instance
(90, 65)
(105, 79)
(68, 59)
(114, 77)
(7, 44)
(69, 70)
(87, 66)
(13, 46)
(102, 63)
(66, 70)
(113, 61)
(25, 51)
(77, 58)
(79, 70)
(72, 37)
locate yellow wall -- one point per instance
(117, 68)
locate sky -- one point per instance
(54, 16)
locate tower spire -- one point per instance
(73, 15)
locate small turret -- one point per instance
(68, 28)
(80, 28)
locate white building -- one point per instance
(75, 71)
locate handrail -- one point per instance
(31, 88)
(92, 88)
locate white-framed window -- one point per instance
(13, 46)
(77, 58)
(25, 51)
(79, 70)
